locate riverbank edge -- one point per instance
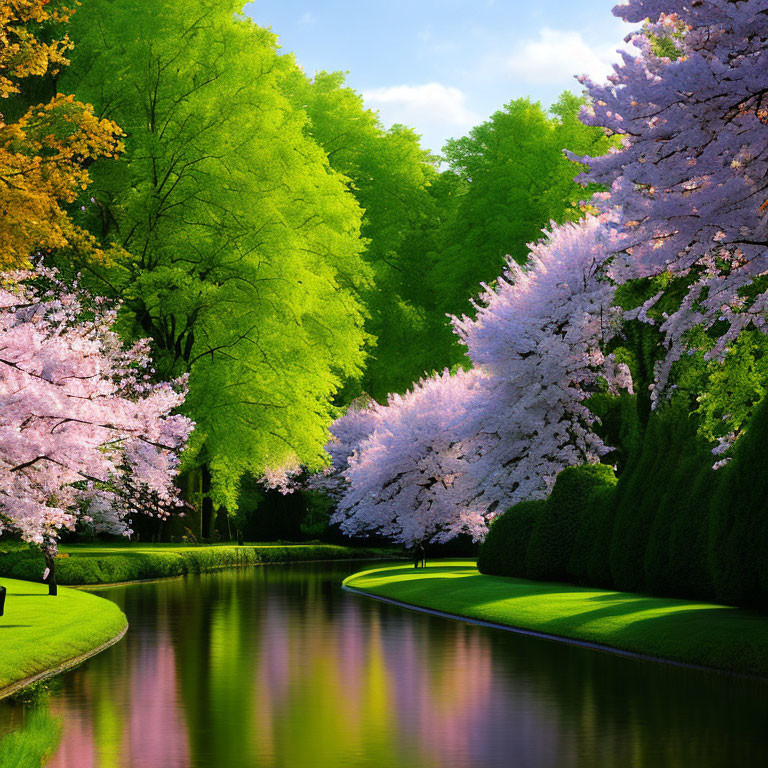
(565, 639)
(109, 566)
(102, 617)
(109, 584)
(59, 669)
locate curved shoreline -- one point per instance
(702, 637)
(42, 636)
(215, 569)
(64, 666)
(95, 565)
(545, 636)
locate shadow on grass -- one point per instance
(28, 594)
(717, 636)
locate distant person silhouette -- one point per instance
(419, 556)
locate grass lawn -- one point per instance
(84, 564)
(40, 633)
(705, 634)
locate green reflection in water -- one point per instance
(34, 742)
(277, 668)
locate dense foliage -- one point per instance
(442, 459)
(86, 436)
(690, 178)
(393, 179)
(514, 181)
(45, 152)
(505, 548)
(242, 246)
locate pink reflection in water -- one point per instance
(133, 720)
(357, 681)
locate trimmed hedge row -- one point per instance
(670, 526)
(105, 567)
(543, 539)
(505, 548)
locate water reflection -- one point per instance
(277, 667)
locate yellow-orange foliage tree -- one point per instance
(45, 154)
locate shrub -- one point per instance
(619, 426)
(504, 550)
(689, 569)
(738, 536)
(640, 491)
(132, 564)
(555, 531)
(676, 556)
(590, 564)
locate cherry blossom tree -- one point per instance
(348, 433)
(540, 335)
(448, 455)
(691, 178)
(404, 478)
(85, 435)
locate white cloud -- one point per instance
(556, 56)
(307, 18)
(430, 108)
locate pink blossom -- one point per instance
(83, 435)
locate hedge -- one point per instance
(503, 553)
(672, 525)
(556, 529)
(589, 563)
(108, 565)
(738, 535)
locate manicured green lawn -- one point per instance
(38, 632)
(710, 635)
(111, 563)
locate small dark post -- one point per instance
(2, 600)
(50, 564)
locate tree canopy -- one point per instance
(241, 245)
(514, 181)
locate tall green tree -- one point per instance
(393, 179)
(244, 244)
(516, 181)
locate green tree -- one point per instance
(245, 252)
(516, 180)
(394, 181)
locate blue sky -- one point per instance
(443, 66)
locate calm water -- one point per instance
(278, 667)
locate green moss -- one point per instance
(39, 633)
(715, 636)
(109, 564)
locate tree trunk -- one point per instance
(208, 517)
(50, 564)
(240, 539)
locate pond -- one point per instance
(278, 667)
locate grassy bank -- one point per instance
(39, 633)
(704, 634)
(110, 563)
